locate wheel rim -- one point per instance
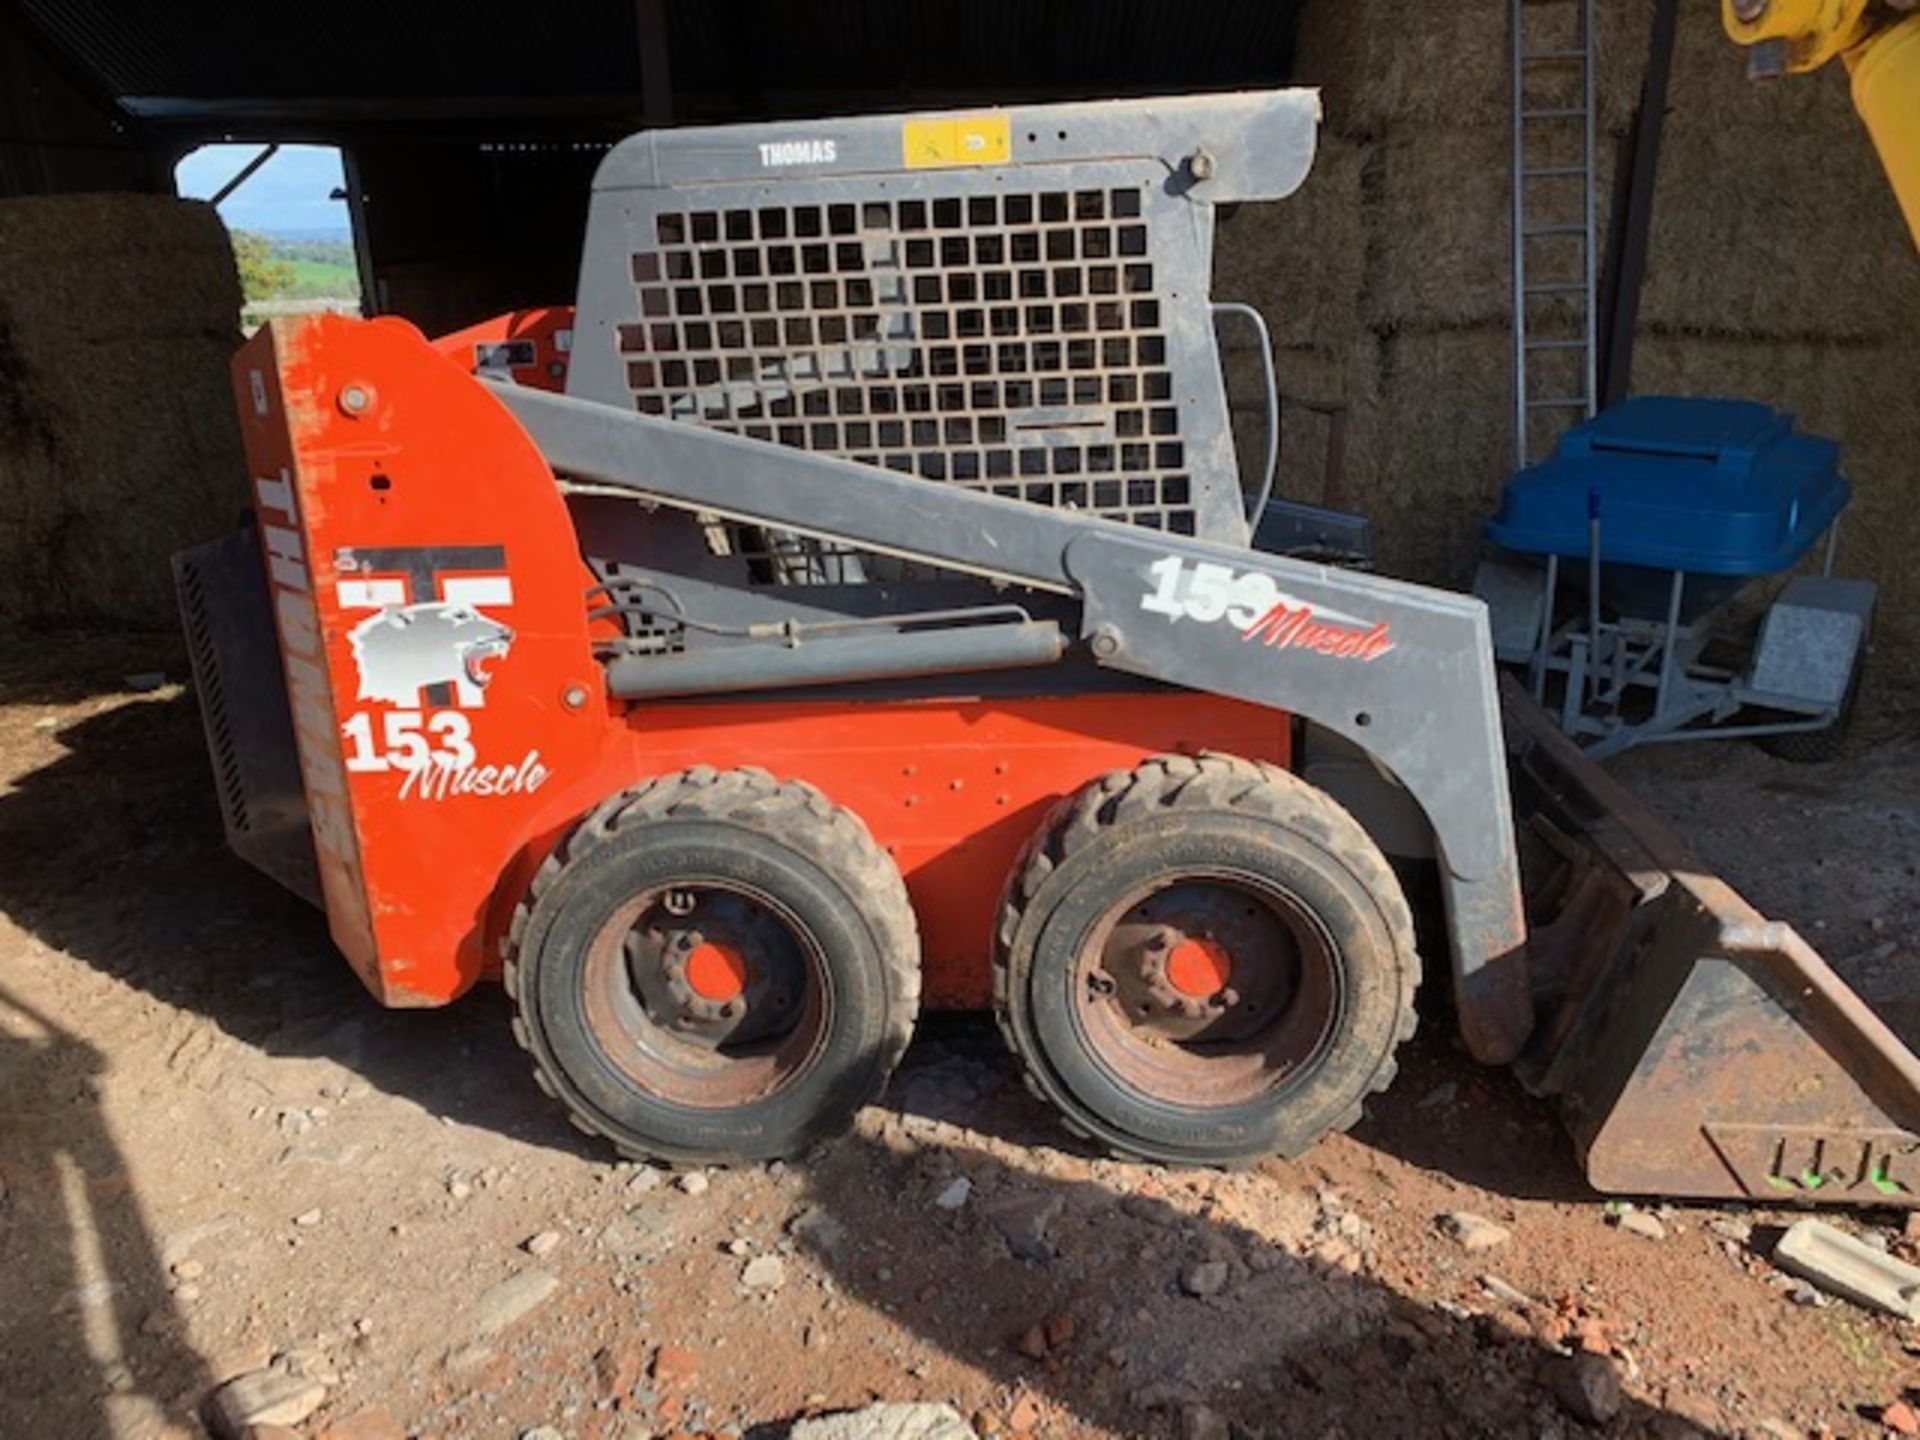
(706, 994)
(1207, 988)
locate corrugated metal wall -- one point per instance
(53, 136)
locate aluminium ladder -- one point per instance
(1554, 346)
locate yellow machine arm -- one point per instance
(1880, 42)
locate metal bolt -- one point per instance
(354, 399)
(1748, 11)
(1767, 60)
(1105, 642)
(1200, 165)
(574, 696)
(733, 1010)
(690, 940)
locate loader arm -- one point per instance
(1402, 671)
(1880, 46)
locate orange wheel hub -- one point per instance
(1200, 968)
(716, 972)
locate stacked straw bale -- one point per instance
(1779, 270)
(118, 444)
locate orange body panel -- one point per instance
(400, 506)
(952, 787)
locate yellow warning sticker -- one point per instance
(966, 140)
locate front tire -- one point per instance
(715, 966)
(1205, 961)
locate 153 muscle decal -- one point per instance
(1255, 605)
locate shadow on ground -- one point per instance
(92, 1343)
(1097, 1319)
(119, 862)
(115, 856)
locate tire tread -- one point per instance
(1210, 780)
(801, 817)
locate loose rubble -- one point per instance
(1641, 1223)
(887, 1422)
(1836, 1262)
(262, 1397)
(764, 1273)
(511, 1301)
(1588, 1387)
(1209, 1277)
(1475, 1233)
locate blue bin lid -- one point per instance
(1717, 487)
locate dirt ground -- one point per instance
(217, 1154)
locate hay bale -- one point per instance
(1777, 229)
(1710, 85)
(111, 267)
(1442, 248)
(1346, 374)
(1302, 261)
(1382, 64)
(1445, 449)
(118, 444)
(1839, 390)
(1444, 228)
(1387, 64)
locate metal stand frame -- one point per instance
(1606, 662)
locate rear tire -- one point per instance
(715, 966)
(1205, 961)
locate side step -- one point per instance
(1696, 1048)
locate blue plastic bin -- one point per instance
(1725, 490)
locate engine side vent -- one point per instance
(230, 785)
(228, 618)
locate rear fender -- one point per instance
(427, 595)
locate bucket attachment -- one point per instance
(1695, 1047)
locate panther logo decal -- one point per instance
(403, 649)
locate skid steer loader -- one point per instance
(847, 608)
